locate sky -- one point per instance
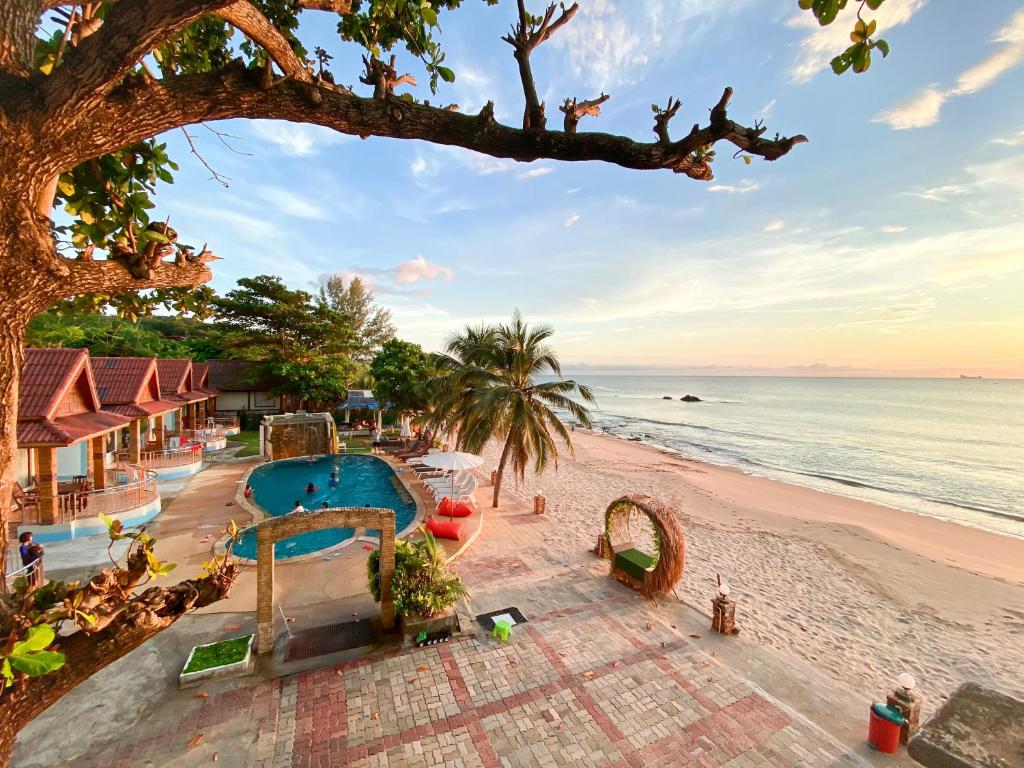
(891, 244)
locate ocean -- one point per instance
(950, 448)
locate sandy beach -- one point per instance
(861, 591)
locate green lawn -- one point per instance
(218, 654)
(251, 440)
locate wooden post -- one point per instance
(158, 431)
(98, 447)
(134, 447)
(47, 486)
(201, 407)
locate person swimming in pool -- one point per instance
(334, 480)
(310, 488)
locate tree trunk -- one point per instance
(25, 283)
(501, 466)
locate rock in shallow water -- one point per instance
(690, 399)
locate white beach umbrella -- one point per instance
(453, 460)
(406, 427)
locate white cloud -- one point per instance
(923, 109)
(746, 185)
(893, 229)
(942, 193)
(984, 73)
(916, 112)
(610, 44)
(821, 44)
(774, 226)
(419, 268)
(573, 190)
(533, 173)
(1011, 140)
(572, 219)
(396, 280)
(290, 204)
(767, 109)
(420, 167)
(295, 139)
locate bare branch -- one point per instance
(244, 17)
(214, 176)
(134, 114)
(576, 111)
(383, 77)
(662, 118)
(526, 35)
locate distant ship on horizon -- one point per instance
(965, 376)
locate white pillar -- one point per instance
(380, 418)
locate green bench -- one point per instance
(634, 563)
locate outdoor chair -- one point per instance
(24, 500)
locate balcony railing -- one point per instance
(108, 501)
(224, 422)
(168, 457)
(202, 436)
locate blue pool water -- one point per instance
(363, 481)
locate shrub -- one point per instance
(422, 583)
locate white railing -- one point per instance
(204, 436)
(108, 501)
(168, 457)
(224, 422)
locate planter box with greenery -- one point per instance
(226, 658)
(423, 589)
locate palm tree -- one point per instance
(492, 391)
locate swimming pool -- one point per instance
(363, 481)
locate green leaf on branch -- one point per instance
(30, 657)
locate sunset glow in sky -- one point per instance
(892, 243)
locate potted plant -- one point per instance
(423, 589)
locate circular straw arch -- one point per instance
(670, 540)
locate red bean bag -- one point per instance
(458, 509)
(444, 529)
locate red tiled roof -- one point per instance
(143, 410)
(201, 379)
(67, 430)
(121, 383)
(45, 377)
(121, 380)
(175, 376)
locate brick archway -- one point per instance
(274, 529)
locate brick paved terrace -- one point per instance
(597, 677)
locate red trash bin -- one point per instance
(884, 728)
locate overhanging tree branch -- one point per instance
(130, 115)
(100, 62)
(253, 24)
(526, 35)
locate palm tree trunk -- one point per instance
(501, 466)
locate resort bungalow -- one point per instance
(130, 386)
(201, 383)
(241, 386)
(363, 406)
(64, 438)
(188, 423)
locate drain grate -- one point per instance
(330, 638)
